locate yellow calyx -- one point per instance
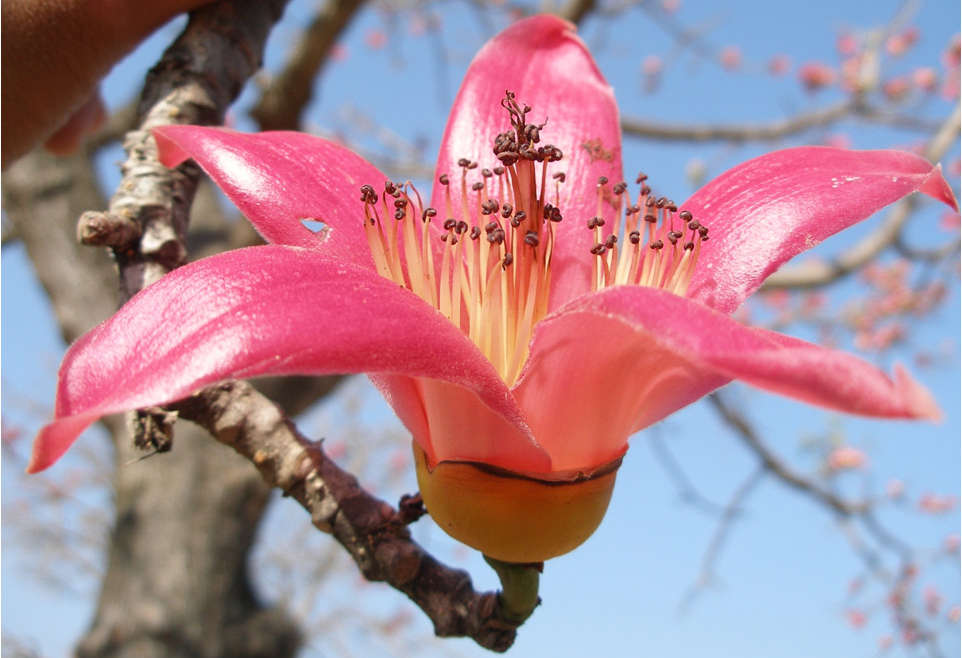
(510, 517)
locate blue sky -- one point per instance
(783, 574)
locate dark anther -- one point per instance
(450, 223)
(650, 202)
(671, 206)
(516, 221)
(498, 171)
(619, 188)
(478, 186)
(546, 211)
(703, 232)
(486, 173)
(645, 190)
(559, 176)
(672, 237)
(611, 241)
(389, 187)
(461, 227)
(631, 210)
(428, 213)
(641, 177)
(677, 234)
(444, 238)
(443, 179)
(488, 207)
(531, 238)
(463, 162)
(533, 132)
(598, 249)
(368, 195)
(689, 246)
(555, 215)
(651, 219)
(508, 259)
(475, 233)
(506, 210)
(496, 236)
(490, 226)
(602, 180)
(472, 165)
(552, 153)
(399, 214)
(400, 203)
(685, 216)
(657, 244)
(595, 222)
(661, 201)
(635, 237)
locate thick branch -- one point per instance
(370, 529)
(195, 81)
(658, 130)
(283, 101)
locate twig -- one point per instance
(774, 465)
(374, 533)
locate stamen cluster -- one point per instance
(494, 246)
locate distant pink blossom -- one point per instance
(838, 141)
(815, 75)
(950, 221)
(896, 88)
(846, 458)
(895, 489)
(779, 65)
(936, 504)
(671, 6)
(898, 44)
(846, 44)
(856, 618)
(375, 39)
(925, 79)
(730, 57)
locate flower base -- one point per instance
(512, 517)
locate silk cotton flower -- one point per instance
(523, 325)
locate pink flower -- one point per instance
(815, 75)
(779, 64)
(730, 57)
(845, 458)
(520, 351)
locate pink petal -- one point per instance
(543, 61)
(611, 363)
(763, 212)
(269, 310)
(279, 178)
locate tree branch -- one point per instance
(283, 101)
(370, 530)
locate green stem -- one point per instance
(519, 588)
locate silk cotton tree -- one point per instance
(525, 323)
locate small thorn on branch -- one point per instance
(411, 508)
(106, 229)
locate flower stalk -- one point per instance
(519, 594)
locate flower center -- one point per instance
(490, 270)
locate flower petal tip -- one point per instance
(918, 400)
(54, 439)
(169, 152)
(938, 188)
